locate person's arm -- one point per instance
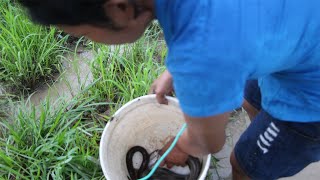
(202, 137)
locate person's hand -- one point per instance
(162, 86)
(175, 157)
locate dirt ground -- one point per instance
(77, 75)
(235, 128)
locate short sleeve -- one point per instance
(206, 89)
(204, 58)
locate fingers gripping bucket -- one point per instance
(142, 122)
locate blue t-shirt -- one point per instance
(216, 45)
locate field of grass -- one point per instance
(51, 143)
(28, 53)
(59, 139)
(126, 72)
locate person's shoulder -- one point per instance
(185, 13)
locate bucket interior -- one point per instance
(141, 122)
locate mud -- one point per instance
(75, 77)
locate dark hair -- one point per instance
(67, 12)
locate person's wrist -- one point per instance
(178, 147)
(190, 147)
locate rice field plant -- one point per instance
(28, 53)
(4, 108)
(126, 72)
(60, 139)
(52, 143)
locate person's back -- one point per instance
(285, 40)
(274, 41)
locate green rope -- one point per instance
(155, 167)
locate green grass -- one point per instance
(4, 101)
(126, 72)
(28, 53)
(52, 143)
(60, 139)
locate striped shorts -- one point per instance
(271, 148)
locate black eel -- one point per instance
(161, 173)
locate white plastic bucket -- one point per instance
(142, 122)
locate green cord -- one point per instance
(155, 167)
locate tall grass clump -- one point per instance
(4, 108)
(28, 53)
(60, 139)
(52, 143)
(126, 72)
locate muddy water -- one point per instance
(76, 75)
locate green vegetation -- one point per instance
(126, 72)
(28, 53)
(60, 139)
(51, 143)
(4, 101)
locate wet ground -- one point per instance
(75, 77)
